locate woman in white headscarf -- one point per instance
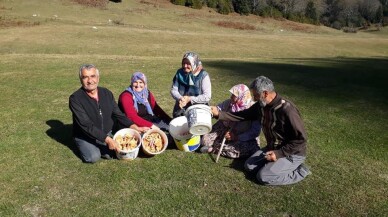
(241, 137)
(191, 84)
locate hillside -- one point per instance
(337, 80)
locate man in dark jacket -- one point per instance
(281, 162)
(94, 112)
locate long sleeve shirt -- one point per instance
(246, 130)
(282, 125)
(203, 98)
(126, 104)
(94, 119)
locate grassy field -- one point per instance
(337, 80)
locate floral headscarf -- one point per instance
(244, 99)
(142, 96)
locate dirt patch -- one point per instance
(148, 3)
(93, 3)
(300, 27)
(4, 23)
(4, 8)
(234, 25)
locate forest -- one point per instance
(338, 14)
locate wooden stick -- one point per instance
(219, 152)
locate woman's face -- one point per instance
(138, 85)
(233, 98)
(186, 66)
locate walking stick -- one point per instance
(219, 152)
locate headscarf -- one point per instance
(196, 66)
(244, 99)
(142, 96)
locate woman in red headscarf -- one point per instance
(241, 137)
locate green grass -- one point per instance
(337, 80)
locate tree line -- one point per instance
(333, 13)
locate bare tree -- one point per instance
(349, 13)
(368, 9)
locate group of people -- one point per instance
(241, 118)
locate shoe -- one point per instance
(106, 157)
(206, 149)
(305, 169)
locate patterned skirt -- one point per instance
(231, 149)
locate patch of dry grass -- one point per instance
(6, 22)
(93, 3)
(235, 25)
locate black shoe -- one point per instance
(106, 156)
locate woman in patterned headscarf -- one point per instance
(139, 104)
(241, 137)
(191, 84)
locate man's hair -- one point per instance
(261, 84)
(87, 67)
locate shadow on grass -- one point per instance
(62, 133)
(238, 164)
(352, 78)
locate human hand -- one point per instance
(184, 100)
(139, 129)
(187, 99)
(182, 103)
(143, 129)
(229, 136)
(270, 156)
(214, 110)
(112, 144)
(154, 127)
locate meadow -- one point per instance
(337, 80)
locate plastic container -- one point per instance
(130, 154)
(184, 140)
(199, 118)
(164, 138)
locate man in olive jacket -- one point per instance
(281, 162)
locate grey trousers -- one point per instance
(284, 171)
(92, 152)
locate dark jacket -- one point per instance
(281, 123)
(94, 119)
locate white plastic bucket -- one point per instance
(131, 154)
(184, 140)
(147, 150)
(199, 118)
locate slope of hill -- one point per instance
(337, 80)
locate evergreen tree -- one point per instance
(212, 3)
(196, 4)
(178, 2)
(224, 6)
(311, 12)
(242, 7)
(384, 4)
(379, 15)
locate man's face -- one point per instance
(260, 97)
(256, 95)
(89, 79)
